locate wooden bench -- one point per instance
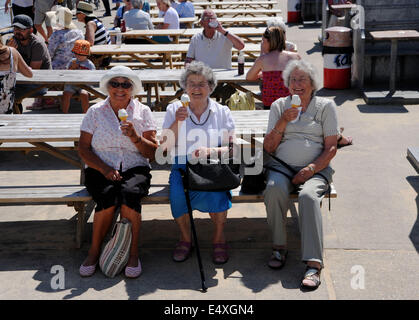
(77, 196)
(413, 157)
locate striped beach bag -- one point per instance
(115, 255)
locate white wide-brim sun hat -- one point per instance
(120, 71)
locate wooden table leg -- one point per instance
(393, 65)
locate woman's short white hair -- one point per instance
(137, 4)
(201, 69)
(304, 66)
(276, 22)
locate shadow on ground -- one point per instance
(41, 245)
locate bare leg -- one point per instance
(219, 220)
(41, 31)
(135, 218)
(184, 226)
(101, 224)
(84, 98)
(66, 101)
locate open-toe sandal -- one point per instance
(220, 254)
(311, 279)
(182, 251)
(278, 258)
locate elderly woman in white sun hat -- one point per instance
(117, 153)
(62, 40)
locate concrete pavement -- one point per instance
(371, 234)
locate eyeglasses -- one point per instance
(303, 79)
(196, 85)
(123, 85)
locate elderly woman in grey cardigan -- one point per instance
(307, 146)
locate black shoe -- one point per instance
(107, 14)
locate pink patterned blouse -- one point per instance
(108, 142)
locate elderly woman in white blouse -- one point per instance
(307, 146)
(117, 154)
(203, 129)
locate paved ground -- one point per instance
(371, 234)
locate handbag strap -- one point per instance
(286, 165)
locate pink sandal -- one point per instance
(220, 256)
(182, 251)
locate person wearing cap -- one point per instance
(41, 9)
(96, 32)
(213, 45)
(81, 50)
(62, 40)
(117, 154)
(10, 62)
(32, 49)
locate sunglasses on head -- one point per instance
(123, 85)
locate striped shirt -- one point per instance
(101, 34)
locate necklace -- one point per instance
(201, 124)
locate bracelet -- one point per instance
(311, 167)
(277, 131)
(225, 34)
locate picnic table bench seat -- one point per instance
(78, 197)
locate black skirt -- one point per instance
(134, 185)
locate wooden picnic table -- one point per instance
(394, 36)
(233, 12)
(42, 130)
(229, 4)
(189, 22)
(89, 80)
(243, 21)
(248, 34)
(135, 51)
(147, 34)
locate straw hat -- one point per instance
(85, 8)
(63, 17)
(81, 47)
(120, 71)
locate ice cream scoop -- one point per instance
(122, 114)
(296, 103)
(185, 100)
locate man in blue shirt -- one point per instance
(185, 9)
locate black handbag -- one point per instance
(213, 175)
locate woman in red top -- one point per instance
(271, 63)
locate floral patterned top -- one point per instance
(273, 87)
(108, 142)
(60, 45)
(7, 87)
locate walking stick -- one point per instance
(198, 254)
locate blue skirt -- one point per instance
(204, 201)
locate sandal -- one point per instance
(278, 258)
(311, 280)
(182, 251)
(220, 256)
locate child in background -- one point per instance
(81, 50)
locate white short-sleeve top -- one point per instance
(108, 142)
(212, 129)
(214, 52)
